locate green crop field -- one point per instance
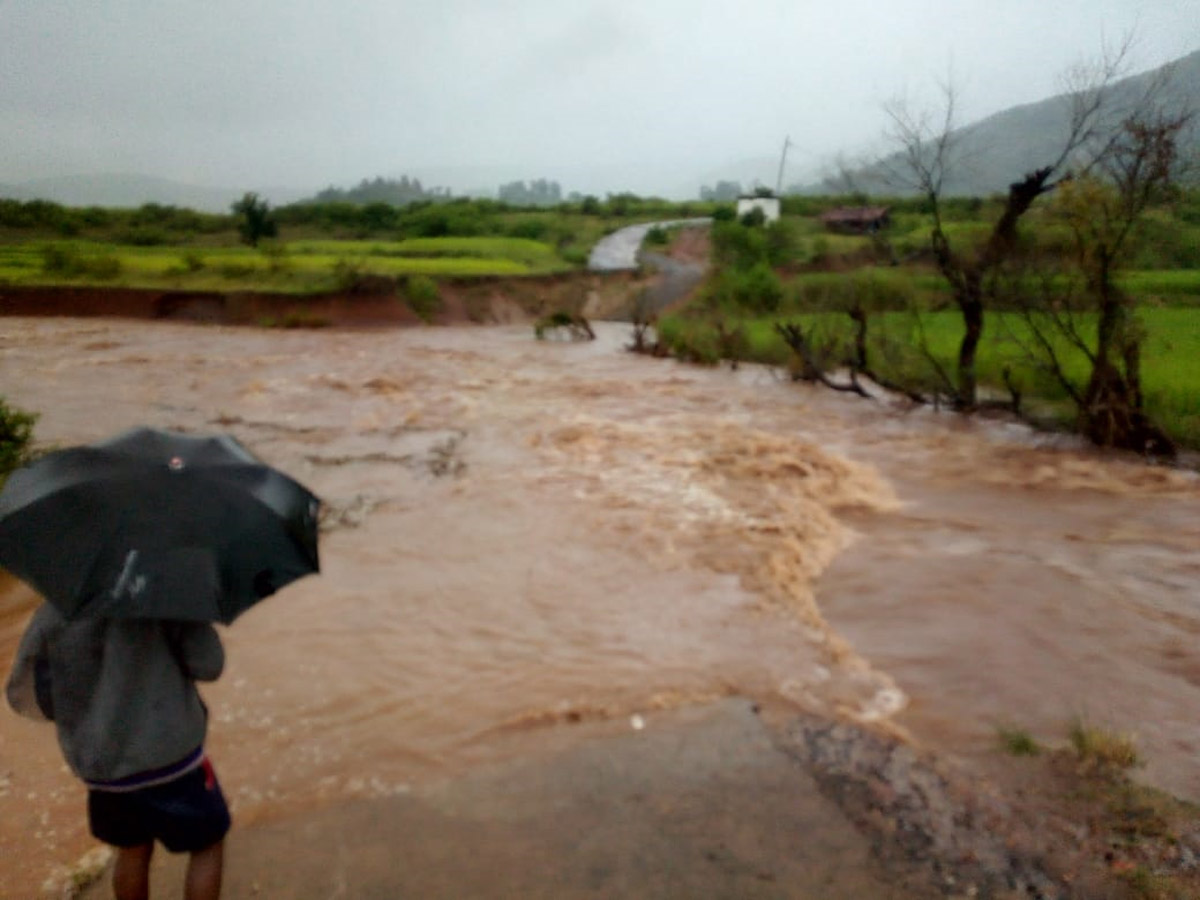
(533, 254)
(309, 265)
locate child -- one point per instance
(131, 725)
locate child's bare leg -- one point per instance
(204, 873)
(131, 872)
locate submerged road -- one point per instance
(622, 251)
(619, 250)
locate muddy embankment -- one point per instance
(372, 302)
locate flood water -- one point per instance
(521, 535)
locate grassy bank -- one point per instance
(796, 270)
(1170, 360)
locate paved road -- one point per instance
(619, 250)
(701, 803)
(676, 279)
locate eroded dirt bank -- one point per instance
(532, 546)
(372, 302)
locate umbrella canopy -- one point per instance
(156, 524)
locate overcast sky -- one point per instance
(307, 93)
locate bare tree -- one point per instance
(1081, 311)
(928, 152)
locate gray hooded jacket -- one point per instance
(121, 692)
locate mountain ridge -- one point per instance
(998, 149)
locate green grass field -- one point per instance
(1170, 360)
(297, 267)
(1155, 287)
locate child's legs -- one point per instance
(204, 873)
(131, 872)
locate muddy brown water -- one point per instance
(524, 535)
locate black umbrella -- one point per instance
(155, 524)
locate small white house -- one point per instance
(768, 205)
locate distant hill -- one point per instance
(995, 151)
(126, 190)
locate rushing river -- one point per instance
(520, 535)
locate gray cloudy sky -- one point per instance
(651, 95)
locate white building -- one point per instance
(769, 206)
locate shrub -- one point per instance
(423, 297)
(754, 218)
(733, 244)
(444, 220)
(1017, 741)
(68, 261)
(690, 340)
(658, 235)
(16, 435)
(144, 236)
(346, 273)
(756, 289)
(576, 256)
(255, 221)
(532, 229)
(1102, 751)
(59, 259)
(783, 243)
(873, 290)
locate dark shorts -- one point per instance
(185, 815)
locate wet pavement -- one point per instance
(695, 803)
(619, 250)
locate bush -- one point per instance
(733, 244)
(444, 220)
(658, 236)
(255, 220)
(756, 290)
(783, 242)
(531, 229)
(1100, 750)
(66, 260)
(690, 341)
(1017, 741)
(346, 273)
(144, 236)
(423, 297)
(59, 259)
(754, 218)
(16, 435)
(873, 290)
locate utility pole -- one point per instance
(787, 142)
